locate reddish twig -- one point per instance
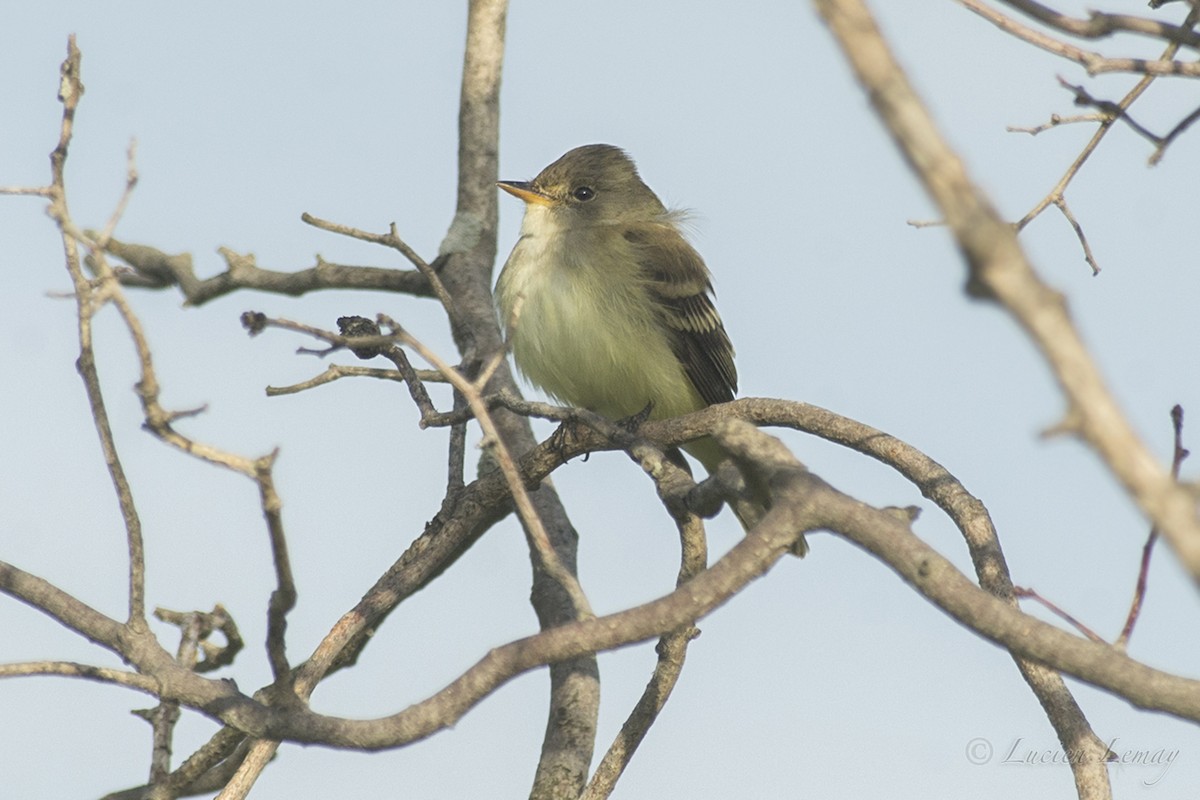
(1139, 593)
(1059, 612)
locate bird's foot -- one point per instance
(634, 421)
(562, 439)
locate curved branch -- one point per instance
(71, 669)
(1100, 25)
(1094, 62)
(673, 485)
(44, 596)
(803, 503)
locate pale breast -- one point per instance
(586, 333)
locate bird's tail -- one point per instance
(754, 503)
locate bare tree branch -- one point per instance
(70, 669)
(470, 255)
(1056, 194)
(484, 390)
(547, 556)
(1179, 453)
(999, 271)
(803, 504)
(881, 532)
(1094, 62)
(153, 269)
(673, 484)
(283, 598)
(207, 770)
(1100, 25)
(88, 301)
(258, 754)
(992, 252)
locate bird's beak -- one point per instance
(525, 191)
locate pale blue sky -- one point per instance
(829, 677)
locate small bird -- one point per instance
(608, 307)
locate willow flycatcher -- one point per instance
(616, 311)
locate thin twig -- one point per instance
(1094, 62)
(338, 371)
(1182, 126)
(71, 669)
(473, 393)
(91, 295)
(1061, 202)
(283, 598)
(391, 239)
(131, 180)
(457, 450)
(89, 299)
(165, 715)
(1108, 109)
(1058, 611)
(1100, 25)
(1105, 126)
(1056, 120)
(1179, 453)
(32, 191)
(259, 754)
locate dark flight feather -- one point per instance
(676, 276)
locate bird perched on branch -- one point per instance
(609, 308)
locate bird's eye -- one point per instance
(583, 193)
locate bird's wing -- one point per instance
(675, 275)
